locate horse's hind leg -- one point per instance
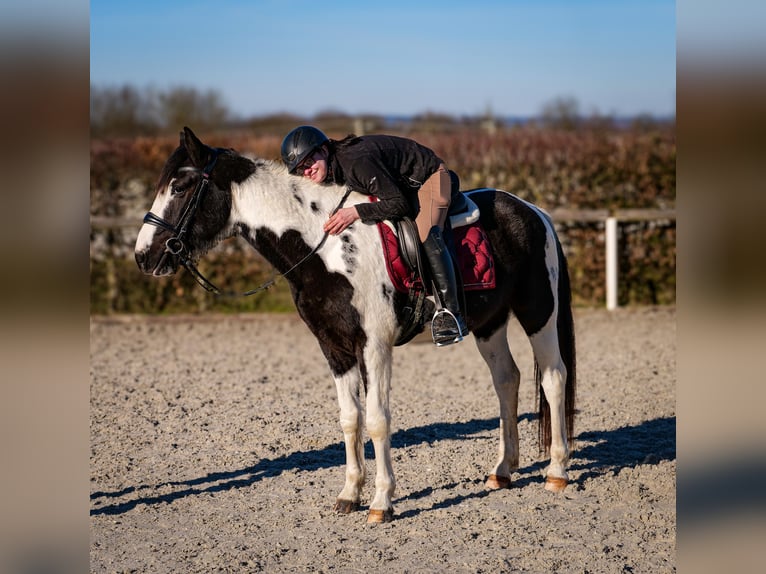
(505, 378)
(352, 424)
(553, 375)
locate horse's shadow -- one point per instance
(600, 453)
(604, 452)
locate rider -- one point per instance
(403, 175)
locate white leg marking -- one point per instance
(352, 424)
(378, 362)
(554, 375)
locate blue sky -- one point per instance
(614, 57)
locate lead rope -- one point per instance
(205, 283)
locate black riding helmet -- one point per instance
(299, 143)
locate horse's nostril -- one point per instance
(140, 259)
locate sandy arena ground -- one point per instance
(215, 447)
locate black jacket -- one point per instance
(390, 168)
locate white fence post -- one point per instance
(611, 263)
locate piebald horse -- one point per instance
(344, 294)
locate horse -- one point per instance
(343, 293)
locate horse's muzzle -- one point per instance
(166, 265)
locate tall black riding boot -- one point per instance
(447, 325)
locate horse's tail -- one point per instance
(566, 340)
(566, 332)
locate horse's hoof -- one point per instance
(555, 484)
(377, 516)
(345, 506)
(495, 482)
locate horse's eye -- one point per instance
(176, 190)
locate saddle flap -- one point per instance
(409, 242)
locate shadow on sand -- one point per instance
(605, 452)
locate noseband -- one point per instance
(176, 246)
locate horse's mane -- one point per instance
(301, 184)
(237, 168)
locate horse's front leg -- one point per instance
(505, 378)
(352, 424)
(378, 369)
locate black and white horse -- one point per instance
(346, 298)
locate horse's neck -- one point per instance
(275, 201)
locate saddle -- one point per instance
(467, 241)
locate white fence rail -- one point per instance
(610, 219)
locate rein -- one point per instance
(176, 246)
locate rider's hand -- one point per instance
(340, 220)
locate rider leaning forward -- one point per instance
(404, 176)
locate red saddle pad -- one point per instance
(473, 252)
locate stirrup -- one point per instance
(448, 330)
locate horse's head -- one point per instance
(190, 211)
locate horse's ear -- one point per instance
(194, 147)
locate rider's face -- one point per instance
(314, 167)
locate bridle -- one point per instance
(175, 245)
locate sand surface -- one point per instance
(215, 447)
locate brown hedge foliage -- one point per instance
(590, 169)
(584, 169)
